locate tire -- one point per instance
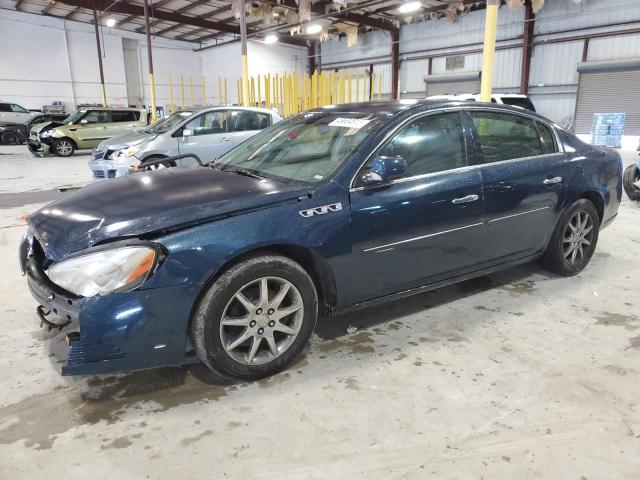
(631, 175)
(159, 166)
(10, 138)
(63, 147)
(579, 224)
(229, 346)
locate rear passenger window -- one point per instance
(548, 144)
(433, 143)
(243, 120)
(504, 136)
(125, 116)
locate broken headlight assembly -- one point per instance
(124, 153)
(108, 271)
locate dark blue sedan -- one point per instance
(335, 209)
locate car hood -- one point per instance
(147, 203)
(41, 127)
(127, 140)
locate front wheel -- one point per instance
(63, 147)
(574, 239)
(631, 176)
(256, 318)
(10, 138)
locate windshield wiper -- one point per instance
(238, 171)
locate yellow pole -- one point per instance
(204, 91)
(191, 91)
(152, 87)
(267, 91)
(357, 86)
(349, 88)
(491, 21)
(226, 97)
(253, 92)
(372, 89)
(276, 83)
(259, 92)
(104, 95)
(342, 87)
(245, 81)
(380, 87)
(172, 101)
(220, 91)
(281, 97)
(182, 90)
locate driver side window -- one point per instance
(429, 144)
(208, 123)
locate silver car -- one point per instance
(207, 132)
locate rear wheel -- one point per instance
(63, 147)
(631, 175)
(256, 318)
(574, 239)
(10, 138)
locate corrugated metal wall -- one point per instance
(553, 78)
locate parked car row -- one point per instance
(18, 133)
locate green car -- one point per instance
(84, 129)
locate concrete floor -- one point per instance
(514, 375)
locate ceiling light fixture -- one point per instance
(313, 28)
(111, 22)
(410, 7)
(271, 38)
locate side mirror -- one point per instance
(83, 121)
(384, 169)
(187, 132)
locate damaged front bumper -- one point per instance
(118, 332)
(38, 147)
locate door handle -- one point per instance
(467, 199)
(552, 181)
(225, 139)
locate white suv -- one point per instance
(14, 113)
(515, 99)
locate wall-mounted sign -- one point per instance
(607, 129)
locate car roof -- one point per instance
(230, 107)
(114, 109)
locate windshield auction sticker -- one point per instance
(349, 122)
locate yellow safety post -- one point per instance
(267, 91)
(220, 91)
(182, 90)
(372, 87)
(276, 103)
(226, 97)
(259, 92)
(172, 102)
(193, 103)
(281, 95)
(341, 93)
(380, 87)
(152, 88)
(204, 91)
(245, 81)
(349, 88)
(491, 21)
(357, 86)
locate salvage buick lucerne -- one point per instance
(334, 209)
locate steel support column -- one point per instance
(152, 83)
(102, 88)
(395, 63)
(527, 47)
(488, 51)
(243, 51)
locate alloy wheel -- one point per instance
(578, 237)
(64, 148)
(261, 320)
(10, 138)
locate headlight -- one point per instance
(126, 153)
(109, 271)
(47, 133)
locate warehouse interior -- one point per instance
(516, 373)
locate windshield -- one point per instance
(74, 117)
(165, 124)
(308, 148)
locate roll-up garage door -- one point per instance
(453, 84)
(609, 87)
